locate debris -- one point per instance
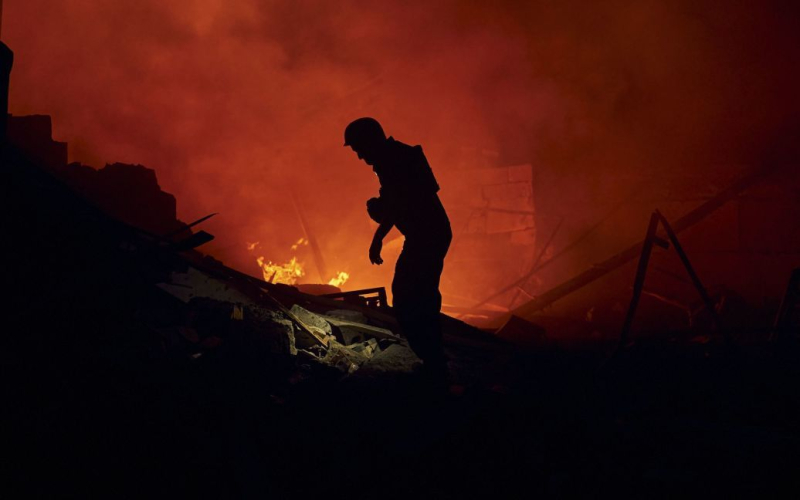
(193, 241)
(279, 331)
(368, 348)
(601, 269)
(352, 332)
(195, 283)
(343, 358)
(347, 315)
(237, 313)
(262, 328)
(190, 225)
(311, 320)
(370, 297)
(653, 239)
(317, 288)
(522, 332)
(396, 358)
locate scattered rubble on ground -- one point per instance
(349, 340)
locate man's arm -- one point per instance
(377, 209)
(377, 242)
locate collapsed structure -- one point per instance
(107, 243)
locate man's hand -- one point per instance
(375, 251)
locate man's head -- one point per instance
(367, 139)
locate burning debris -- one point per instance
(340, 279)
(333, 336)
(289, 273)
(220, 308)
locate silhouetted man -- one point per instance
(408, 201)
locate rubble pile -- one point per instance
(129, 193)
(336, 337)
(123, 342)
(130, 212)
(115, 229)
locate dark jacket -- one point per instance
(408, 193)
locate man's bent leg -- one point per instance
(417, 303)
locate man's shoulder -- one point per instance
(403, 150)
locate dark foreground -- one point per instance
(101, 400)
(658, 421)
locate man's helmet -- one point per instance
(363, 131)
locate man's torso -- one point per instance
(409, 190)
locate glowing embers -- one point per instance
(290, 272)
(301, 241)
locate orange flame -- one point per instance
(290, 272)
(287, 273)
(340, 279)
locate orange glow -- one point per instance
(300, 242)
(236, 104)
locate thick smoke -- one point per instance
(238, 103)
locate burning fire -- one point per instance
(290, 272)
(287, 273)
(340, 279)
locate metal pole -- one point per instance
(693, 275)
(641, 272)
(603, 268)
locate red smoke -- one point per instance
(235, 103)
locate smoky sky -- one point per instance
(237, 103)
